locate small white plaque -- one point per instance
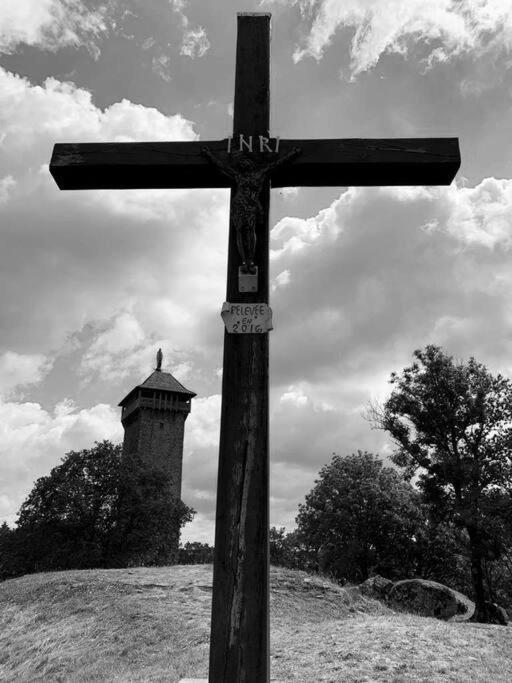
(247, 318)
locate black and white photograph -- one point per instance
(255, 341)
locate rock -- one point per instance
(431, 599)
(376, 587)
(465, 607)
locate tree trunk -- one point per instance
(477, 574)
(489, 580)
(363, 565)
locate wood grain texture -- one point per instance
(322, 163)
(240, 625)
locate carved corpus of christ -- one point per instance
(248, 178)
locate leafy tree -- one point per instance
(6, 552)
(292, 550)
(148, 517)
(452, 424)
(79, 516)
(497, 563)
(361, 517)
(195, 553)
(279, 553)
(67, 517)
(440, 554)
(282, 552)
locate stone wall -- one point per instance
(157, 436)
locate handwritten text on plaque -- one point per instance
(247, 318)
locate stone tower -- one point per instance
(153, 416)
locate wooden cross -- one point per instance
(239, 645)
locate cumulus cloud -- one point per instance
(89, 255)
(33, 441)
(6, 185)
(203, 423)
(448, 28)
(33, 118)
(195, 43)
(385, 270)
(127, 346)
(160, 64)
(50, 24)
(115, 351)
(200, 465)
(19, 370)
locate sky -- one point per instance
(92, 283)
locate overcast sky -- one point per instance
(93, 282)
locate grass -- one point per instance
(152, 624)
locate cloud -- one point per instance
(385, 270)
(33, 118)
(50, 24)
(200, 465)
(160, 64)
(116, 350)
(89, 256)
(33, 441)
(446, 27)
(195, 43)
(19, 370)
(124, 347)
(203, 424)
(177, 5)
(6, 185)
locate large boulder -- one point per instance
(431, 599)
(376, 587)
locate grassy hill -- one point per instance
(152, 624)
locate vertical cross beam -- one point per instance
(240, 626)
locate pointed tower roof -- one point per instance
(160, 381)
(164, 381)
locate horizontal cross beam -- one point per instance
(331, 163)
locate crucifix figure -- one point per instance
(240, 642)
(249, 182)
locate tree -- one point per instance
(361, 517)
(67, 517)
(440, 553)
(291, 550)
(279, 553)
(497, 564)
(148, 517)
(452, 424)
(6, 552)
(194, 552)
(92, 511)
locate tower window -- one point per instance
(161, 425)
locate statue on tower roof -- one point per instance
(159, 357)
